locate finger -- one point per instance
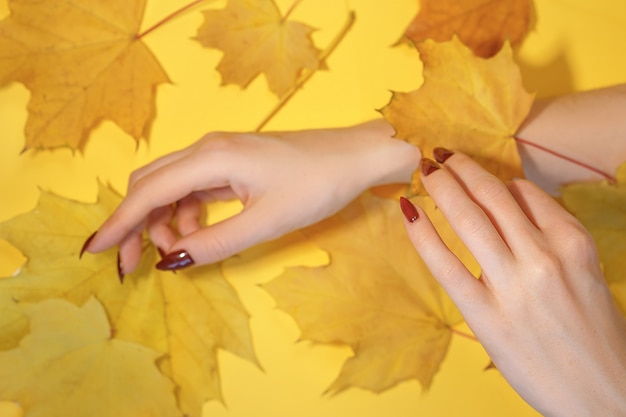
(159, 227)
(221, 240)
(495, 199)
(466, 217)
(160, 188)
(155, 165)
(562, 232)
(540, 208)
(129, 255)
(466, 291)
(189, 215)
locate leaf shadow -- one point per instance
(550, 79)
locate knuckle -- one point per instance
(134, 177)
(487, 188)
(468, 220)
(137, 183)
(578, 243)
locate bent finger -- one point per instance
(189, 215)
(216, 242)
(129, 253)
(160, 188)
(159, 227)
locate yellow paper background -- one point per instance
(576, 45)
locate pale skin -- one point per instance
(541, 309)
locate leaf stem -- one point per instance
(307, 75)
(608, 177)
(169, 17)
(463, 334)
(291, 9)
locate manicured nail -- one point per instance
(428, 166)
(86, 244)
(408, 209)
(120, 274)
(175, 260)
(442, 154)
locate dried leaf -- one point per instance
(376, 296)
(483, 25)
(83, 62)
(69, 364)
(601, 208)
(188, 316)
(13, 323)
(256, 39)
(466, 103)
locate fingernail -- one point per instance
(86, 244)
(120, 274)
(442, 154)
(175, 260)
(162, 253)
(408, 209)
(428, 166)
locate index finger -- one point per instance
(159, 188)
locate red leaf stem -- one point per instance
(608, 177)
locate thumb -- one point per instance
(216, 242)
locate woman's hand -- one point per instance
(285, 181)
(541, 307)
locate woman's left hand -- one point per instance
(541, 307)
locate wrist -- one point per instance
(385, 159)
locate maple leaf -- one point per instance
(68, 361)
(13, 323)
(467, 104)
(601, 208)
(482, 25)
(376, 296)
(186, 316)
(83, 62)
(256, 39)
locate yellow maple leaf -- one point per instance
(187, 316)
(483, 25)
(601, 208)
(69, 365)
(466, 103)
(13, 323)
(376, 296)
(83, 62)
(255, 39)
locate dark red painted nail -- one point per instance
(408, 209)
(175, 260)
(442, 154)
(86, 244)
(428, 166)
(120, 274)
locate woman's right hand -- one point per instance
(285, 181)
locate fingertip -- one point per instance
(129, 254)
(408, 210)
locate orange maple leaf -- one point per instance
(255, 39)
(83, 62)
(483, 25)
(466, 103)
(376, 296)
